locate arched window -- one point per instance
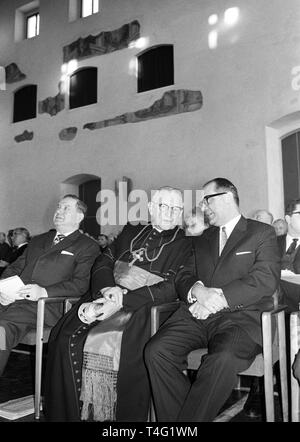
(155, 68)
(25, 103)
(83, 87)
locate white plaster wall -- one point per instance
(245, 82)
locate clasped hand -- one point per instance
(209, 300)
(111, 302)
(30, 292)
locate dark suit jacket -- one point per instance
(281, 240)
(62, 269)
(247, 271)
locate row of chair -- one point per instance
(263, 365)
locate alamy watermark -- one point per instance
(120, 208)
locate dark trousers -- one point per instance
(16, 320)
(230, 351)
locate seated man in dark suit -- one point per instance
(290, 255)
(55, 263)
(20, 239)
(224, 288)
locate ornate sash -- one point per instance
(101, 353)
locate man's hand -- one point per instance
(32, 292)
(212, 299)
(198, 311)
(104, 308)
(114, 294)
(5, 300)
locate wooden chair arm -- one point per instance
(168, 307)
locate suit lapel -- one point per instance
(236, 235)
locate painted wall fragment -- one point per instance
(172, 102)
(25, 136)
(103, 43)
(13, 73)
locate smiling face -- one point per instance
(218, 205)
(67, 217)
(166, 208)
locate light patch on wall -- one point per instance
(231, 16)
(212, 19)
(213, 39)
(296, 80)
(133, 67)
(140, 43)
(67, 69)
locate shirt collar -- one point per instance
(65, 234)
(231, 225)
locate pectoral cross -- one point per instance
(137, 256)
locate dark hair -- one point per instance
(291, 206)
(80, 205)
(224, 184)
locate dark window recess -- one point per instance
(25, 103)
(291, 167)
(156, 68)
(83, 88)
(87, 193)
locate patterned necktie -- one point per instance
(58, 238)
(223, 239)
(292, 247)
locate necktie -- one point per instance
(59, 237)
(223, 239)
(292, 247)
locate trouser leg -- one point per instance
(230, 351)
(165, 357)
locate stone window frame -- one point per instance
(21, 16)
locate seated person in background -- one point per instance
(263, 216)
(20, 239)
(103, 242)
(9, 237)
(54, 264)
(95, 368)
(280, 226)
(290, 255)
(194, 223)
(5, 252)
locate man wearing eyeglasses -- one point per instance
(224, 288)
(290, 255)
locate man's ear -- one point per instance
(80, 217)
(287, 218)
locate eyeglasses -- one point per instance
(164, 208)
(212, 195)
